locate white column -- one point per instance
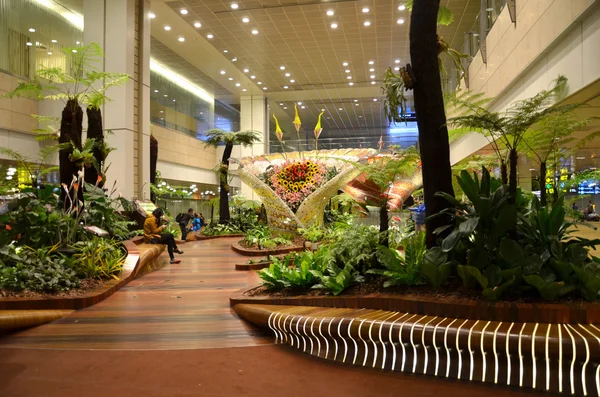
(144, 93)
(253, 116)
(111, 23)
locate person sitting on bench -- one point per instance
(153, 233)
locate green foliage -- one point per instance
(217, 229)
(357, 247)
(435, 268)
(402, 269)
(40, 270)
(395, 101)
(98, 258)
(312, 234)
(216, 137)
(293, 271)
(444, 18)
(261, 236)
(335, 279)
(102, 211)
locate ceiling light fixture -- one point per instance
(29, 44)
(402, 7)
(285, 87)
(237, 84)
(356, 100)
(397, 61)
(345, 64)
(372, 76)
(253, 77)
(371, 62)
(265, 88)
(371, 70)
(400, 21)
(254, 31)
(197, 25)
(365, 10)
(339, 108)
(181, 39)
(322, 110)
(356, 104)
(280, 103)
(225, 51)
(234, 59)
(230, 79)
(222, 72)
(74, 51)
(347, 70)
(167, 28)
(374, 99)
(54, 41)
(292, 81)
(234, 6)
(287, 75)
(49, 52)
(246, 70)
(334, 26)
(397, 68)
(77, 42)
(367, 23)
(152, 15)
(209, 36)
(245, 19)
(155, 90)
(285, 107)
(330, 12)
(165, 95)
(303, 107)
(243, 89)
(183, 11)
(32, 30)
(259, 83)
(282, 67)
(299, 103)
(350, 83)
(349, 77)
(373, 82)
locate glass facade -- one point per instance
(35, 33)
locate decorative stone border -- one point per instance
(561, 358)
(237, 247)
(449, 307)
(140, 259)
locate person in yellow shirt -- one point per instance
(153, 231)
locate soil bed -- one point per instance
(295, 243)
(85, 286)
(373, 284)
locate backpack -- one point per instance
(179, 217)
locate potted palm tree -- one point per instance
(217, 137)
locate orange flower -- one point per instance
(8, 227)
(76, 186)
(98, 180)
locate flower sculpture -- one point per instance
(318, 130)
(296, 189)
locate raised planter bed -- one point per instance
(237, 247)
(140, 258)
(201, 237)
(586, 313)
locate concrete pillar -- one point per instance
(254, 116)
(112, 24)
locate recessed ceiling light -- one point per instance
(246, 70)
(32, 30)
(167, 27)
(292, 81)
(347, 70)
(74, 51)
(345, 64)
(173, 100)
(259, 83)
(253, 77)
(374, 99)
(234, 59)
(197, 25)
(287, 75)
(254, 31)
(183, 11)
(285, 87)
(356, 104)
(397, 61)
(365, 10)
(165, 95)
(339, 108)
(299, 103)
(356, 100)
(350, 83)
(29, 43)
(155, 90)
(77, 42)
(373, 82)
(237, 84)
(264, 88)
(222, 72)
(303, 107)
(181, 39)
(371, 70)
(230, 79)
(359, 116)
(282, 67)
(49, 52)
(349, 77)
(334, 26)
(322, 110)
(234, 6)
(330, 12)
(402, 7)
(371, 62)
(243, 89)
(285, 107)
(152, 16)
(245, 19)
(372, 76)
(400, 21)
(225, 51)
(367, 23)
(397, 68)
(280, 103)
(210, 36)
(54, 41)
(161, 111)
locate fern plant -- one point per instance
(336, 280)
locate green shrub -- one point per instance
(336, 280)
(357, 247)
(217, 229)
(101, 210)
(98, 258)
(402, 269)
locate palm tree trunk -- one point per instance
(384, 222)
(503, 172)
(543, 193)
(153, 161)
(96, 132)
(513, 159)
(71, 129)
(224, 215)
(431, 117)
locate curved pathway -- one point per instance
(145, 340)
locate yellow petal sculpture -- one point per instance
(297, 122)
(318, 127)
(278, 131)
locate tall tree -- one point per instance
(217, 137)
(95, 131)
(429, 107)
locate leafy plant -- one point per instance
(216, 229)
(402, 269)
(435, 267)
(102, 211)
(336, 280)
(357, 248)
(312, 234)
(98, 258)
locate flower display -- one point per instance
(293, 181)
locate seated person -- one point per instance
(153, 233)
(197, 223)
